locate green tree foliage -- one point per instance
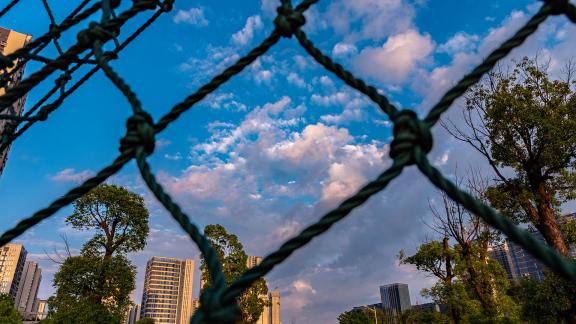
(415, 316)
(118, 216)
(101, 278)
(233, 259)
(524, 121)
(78, 288)
(8, 314)
(467, 276)
(361, 316)
(549, 301)
(145, 320)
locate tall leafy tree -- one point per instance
(101, 278)
(118, 216)
(522, 121)
(233, 258)
(8, 314)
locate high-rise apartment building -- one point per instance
(516, 261)
(28, 290)
(133, 314)
(253, 261)
(10, 41)
(395, 299)
(12, 260)
(167, 295)
(275, 296)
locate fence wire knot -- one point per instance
(288, 20)
(214, 311)
(409, 132)
(95, 32)
(139, 133)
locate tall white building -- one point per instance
(12, 260)
(167, 296)
(27, 293)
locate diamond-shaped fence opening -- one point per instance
(412, 137)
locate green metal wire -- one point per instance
(410, 145)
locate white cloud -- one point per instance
(369, 19)
(192, 16)
(71, 175)
(394, 61)
(343, 49)
(303, 286)
(460, 42)
(245, 35)
(296, 80)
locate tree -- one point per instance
(77, 284)
(479, 278)
(8, 314)
(101, 278)
(233, 259)
(118, 216)
(523, 121)
(549, 301)
(363, 315)
(416, 316)
(145, 320)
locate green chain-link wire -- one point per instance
(411, 143)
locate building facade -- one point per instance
(133, 314)
(167, 295)
(275, 305)
(516, 261)
(10, 41)
(395, 299)
(252, 261)
(12, 260)
(25, 301)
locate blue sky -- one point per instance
(277, 146)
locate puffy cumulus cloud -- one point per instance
(192, 16)
(268, 176)
(71, 175)
(343, 49)
(369, 19)
(460, 42)
(314, 143)
(394, 61)
(246, 34)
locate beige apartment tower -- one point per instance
(275, 307)
(10, 41)
(12, 259)
(167, 295)
(28, 290)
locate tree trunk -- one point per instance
(547, 221)
(448, 280)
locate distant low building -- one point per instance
(427, 306)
